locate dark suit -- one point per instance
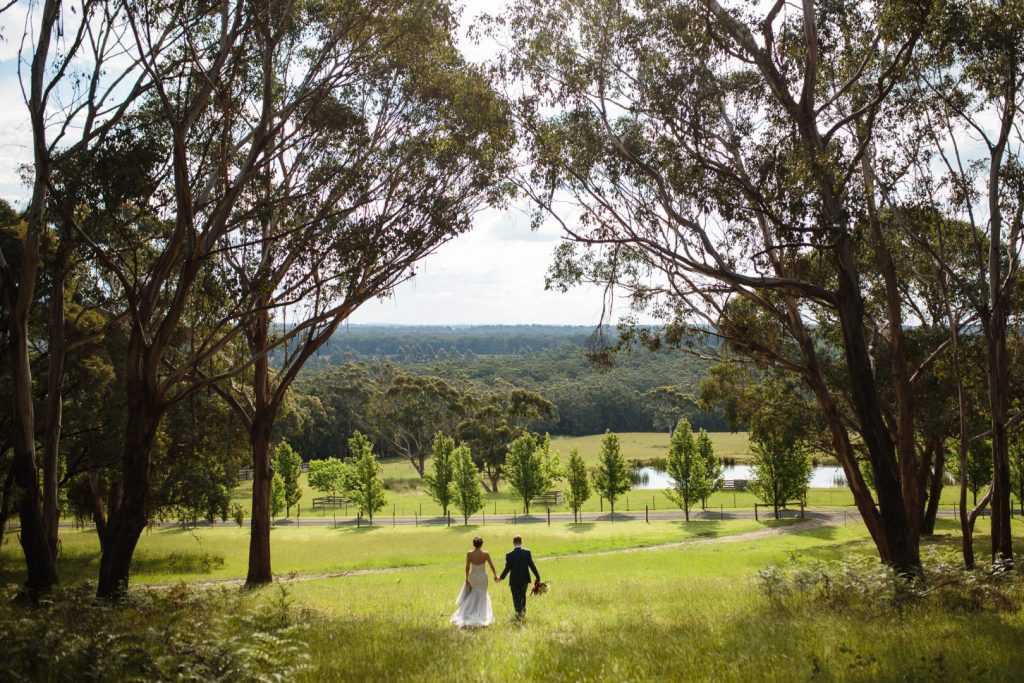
(519, 564)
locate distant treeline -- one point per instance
(549, 360)
(407, 344)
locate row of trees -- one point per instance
(212, 185)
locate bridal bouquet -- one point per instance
(540, 588)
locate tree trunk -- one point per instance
(935, 488)
(39, 560)
(259, 439)
(998, 378)
(259, 536)
(901, 548)
(54, 403)
(127, 522)
(99, 513)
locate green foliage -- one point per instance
(178, 634)
(440, 481)
(692, 480)
(237, 512)
(288, 464)
(1017, 467)
(979, 463)
(858, 583)
(612, 477)
(277, 495)
(408, 410)
(361, 480)
(578, 482)
(781, 470)
(531, 468)
(712, 468)
(468, 494)
(325, 475)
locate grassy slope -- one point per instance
(685, 614)
(689, 613)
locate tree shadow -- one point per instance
(580, 527)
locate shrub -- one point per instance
(180, 634)
(863, 583)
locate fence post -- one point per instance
(513, 517)
(721, 511)
(394, 509)
(417, 518)
(646, 518)
(549, 516)
(755, 513)
(449, 518)
(601, 499)
(801, 509)
(298, 516)
(627, 503)
(483, 514)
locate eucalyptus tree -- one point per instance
(389, 158)
(709, 160)
(73, 96)
(409, 410)
(971, 84)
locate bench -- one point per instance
(549, 498)
(324, 501)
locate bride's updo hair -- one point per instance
(477, 542)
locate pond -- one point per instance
(821, 477)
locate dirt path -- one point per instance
(814, 520)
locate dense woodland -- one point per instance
(641, 392)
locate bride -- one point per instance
(473, 601)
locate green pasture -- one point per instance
(648, 445)
(168, 554)
(690, 612)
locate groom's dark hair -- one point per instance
(477, 542)
(517, 540)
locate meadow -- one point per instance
(684, 612)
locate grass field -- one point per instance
(647, 445)
(691, 612)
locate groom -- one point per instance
(519, 563)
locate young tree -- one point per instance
(691, 480)
(978, 465)
(325, 475)
(278, 498)
(361, 480)
(712, 468)
(612, 478)
(439, 483)
(578, 482)
(531, 468)
(468, 496)
(289, 465)
(781, 470)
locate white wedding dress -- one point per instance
(473, 601)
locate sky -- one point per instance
(492, 275)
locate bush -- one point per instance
(863, 583)
(238, 513)
(180, 634)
